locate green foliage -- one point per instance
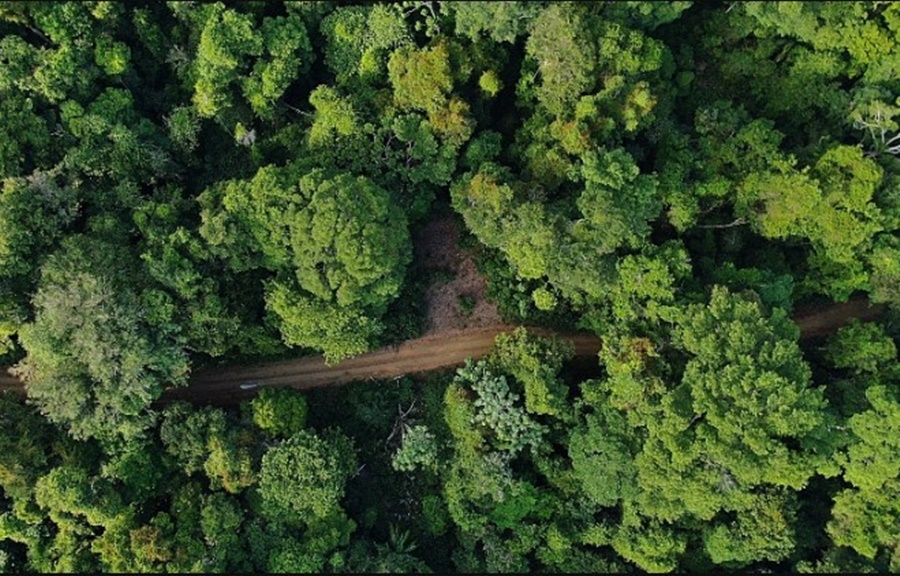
(434, 514)
(636, 382)
(189, 181)
(862, 348)
(289, 54)
(731, 334)
(489, 83)
(68, 490)
(206, 440)
(114, 141)
(305, 475)
(499, 21)
(338, 332)
(233, 49)
(334, 114)
(544, 299)
(864, 41)
(648, 15)
(24, 135)
(35, 213)
(466, 304)
(418, 449)
(651, 545)
(765, 531)
(873, 461)
(393, 557)
(495, 408)
(611, 223)
(863, 515)
(183, 128)
(358, 40)
(112, 57)
(421, 78)
(341, 239)
(834, 210)
(539, 241)
(602, 452)
(93, 364)
(140, 470)
(24, 457)
(535, 362)
(646, 285)
(741, 428)
(280, 412)
(371, 248)
(565, 58)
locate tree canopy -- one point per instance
(186, 186)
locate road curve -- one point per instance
(447, 349)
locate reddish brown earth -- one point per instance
(815, 322)
(441, 350)
(431, 352)
(438, 252)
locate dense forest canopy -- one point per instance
(193, 183)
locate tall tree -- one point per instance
(338, 243)
(864, 514)
(738, 434)
(94, 363)
(303, 478)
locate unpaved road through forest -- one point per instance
(444, 350)
(420, 355)
(814, 322)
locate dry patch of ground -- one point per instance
(456, 298)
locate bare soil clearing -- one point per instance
(438, 252)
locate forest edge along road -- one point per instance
(431, 352)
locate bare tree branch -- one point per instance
(737, 222)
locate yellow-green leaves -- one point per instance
(421, 77)
(864, 516)
(566, 57)
(334, 115)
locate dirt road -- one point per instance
(447, 349)
(814, 322)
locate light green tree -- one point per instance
(339, 244)
(863, 514)
(303, 478)
(279, 411)
(535, 363)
